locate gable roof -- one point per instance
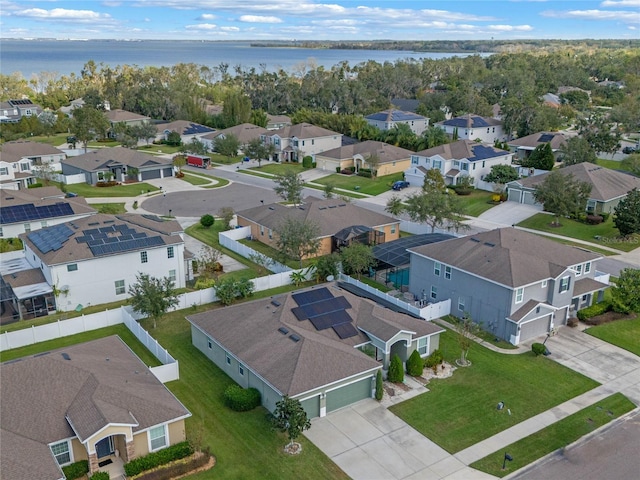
(386, 153)
(469, 149)
(184, 127)
(19, 149)
(606, 184)
(105, 158)
(250, 332)
(303, 131)
(394, 116)
(330, 215)
(19, 206)
(406, 104)
(507, 256)
(470, 121)
(119, 115)
(245, 132)
(555, 139)
(102, 381)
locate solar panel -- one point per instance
(328, 320)
(50, 238)
(345, 330)
(545, 137)
(312, 296)
(324, 306)
(28, 212)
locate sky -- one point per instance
(318, 20)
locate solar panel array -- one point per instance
(196, 128)
(117, 238)
(51, 238)
(29, 212)
(476, 122)
(482, 152)
(545, 137)
(324, 311)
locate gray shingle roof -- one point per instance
(394, 116)
(119, 115)
(303, 131)
(16, 150)
(469, 149)
(245, 132)
(106, 157)
(386, 153)
(555, 139)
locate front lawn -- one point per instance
(279, 168)
(224, 160)
(605, 234)
(555, 436)
(369, 186)
(476, 203)
(126, 190)
(109, 208)
(623, 333)
(195, 179)
(55, 139)
(158, 149)
(460, 411)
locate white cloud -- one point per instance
(230, 29)
(620, 3)
(260, 19)
(202, 26)
(616, 15)
(62, 14)
(510, 28)
(206, 16)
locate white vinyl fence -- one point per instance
(419, 228)
(229, 239)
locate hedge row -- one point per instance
(155, 459)
(76, 470)
(241, 399)
(100, 476)
(594, 310)
(177, 470)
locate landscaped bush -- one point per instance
(538, 349)
(155, 459)
(396, 372)
(346, 171)
(415, 364)
(365, 174)
(307, 162)
(100, 476)
(593, 310)
(337, 169)
(76, 470)
(594, 219)
(379, 386)
(604, 215)
(434, 359)
(111, 183)
(179, 469)
(35, 185)
(241, 399)
(572, 322)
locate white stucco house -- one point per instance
(473, 127)
(20, 160)
(294, 142)
(388, 119)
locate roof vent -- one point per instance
(283, 330)
(294, 337)
(275, 303)
(475, 240)
(65, 356)
(332, 206)
(342, 204)
(489, 244)
(10, 198)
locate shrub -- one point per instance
(396, 372)
(76, 470)
(241, 399)
(155, 459)
(538, 349)
(593, 310)
(434, 359)
(338, 170)
(594, 219)
(362, 173)
(346, 171)
(307, 162)
(572, 322)
(100, 476)
(379, 386)
(605, 216)
(178, 469)
(207, 220)
(35, 185)
(415, 364)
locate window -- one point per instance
(587, 267)
(24, 167)
(447, 272)
(474, 166)
(4, 171)
(414, 161)
(119, 287)
(172, 275)
(437, 164)
(143, 257)
(564, 284)
(464, 167)
(544, 284)
(241, 370)
(72, 267)
(313, 142)
(61, 452)
(483, 164)
(461, 304)
(157, 437)
(27, 227)
(1, 233)
(261, 231)
(210, 345)
(487, 129)
(423, 344)
(170, 252)
(519, 295)
(437, 266)
(578, 270)
(393, 229)
(456, 163)
(434, 291)
(270, 234)
(228, 360)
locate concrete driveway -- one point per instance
(506, 214)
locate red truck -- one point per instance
(198, 161)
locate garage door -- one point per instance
(527, 197)
(514, 195)
(149, 174)
(167, 172)
(341, 397)
(311, 406)
(534, 328)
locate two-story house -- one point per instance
(473, 127)
(20, 160)
(524, 146)
(455, 160)
(12, 111)
(188, 131)
(388, 119)
(294, 142)
(515, 284)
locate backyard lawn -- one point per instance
(460, 411)
(369, 186)
(127, 190)
(605, 234)
(623, 333)
(555, 436)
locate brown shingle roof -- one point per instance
(119, 115)
(16, 150)
(555, 139)
(461, 149)
(303, 131)
(245, 132)
(386, 153)
(507, 256)
(105, 157)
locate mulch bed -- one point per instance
(609, 317)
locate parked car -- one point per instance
(399, 185)
(629, 150)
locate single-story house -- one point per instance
(130, 119)
(388, 119)
(119, 164)
(24, 211)
(245, 132)
(94, 401)
(335, 219)
(187, 130)
(390, 159)
(19, 158)
(515, 284)
(294, 142)
(608, 186)
(456, 160)
(322, 345)
(524, 146)
(473, 127)
(14, 110)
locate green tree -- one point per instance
(373, 160)
(436, 209)
(236, 109)
(396, 371)
(258, 150)
(289, 417)
(88, 123)
(226, 291)
(289, 186)
(152, 296)
(541, 158)
(227, 145)
(298, 277)
(174, 139)
(298, 239)
(207, 220)
(415, 364)
(179, 161)
(627, 214)
(626, 293)
(576, 150)
(632, 164)
(434, 180)
(357, 258)
(501, 174)
(329, 190)
(146, 131)
(48, 120)
(562, 195)
(465, 329)
(326, 266)
(195, 146)
(379, 385)
(395, 206)
(259, 118)
(226, 214)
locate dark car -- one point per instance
(628, 150)
(400, 184)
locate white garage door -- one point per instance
(534, 328)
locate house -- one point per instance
(24, 211)
(524, 146)
(79, 103)
(294, 142)
(473, 127)
(276, 122)
(91, 261)
(515, 284)
(455, 160)
(388, 119)
(389, 158)
(130, 119)
(608, 186)
(20, 159)
(245, 132)
(12, 111)
(322, 345)
(94, 401)
(188, 131)
(119, 164)
(334, 217)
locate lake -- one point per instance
(69, 56)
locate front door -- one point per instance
(104, 447)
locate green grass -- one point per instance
(612, 164)
(109, 208)
(221, 159)
(460, 411)
(555, 436)
(273, 253)
(606, 232)
(128, 190)
(166, 149)
(623, 333)
(195, 179)
(476, 203)
(10, 245)
(369, 186)
(279, 168)
(55, 140)
(484, 335)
